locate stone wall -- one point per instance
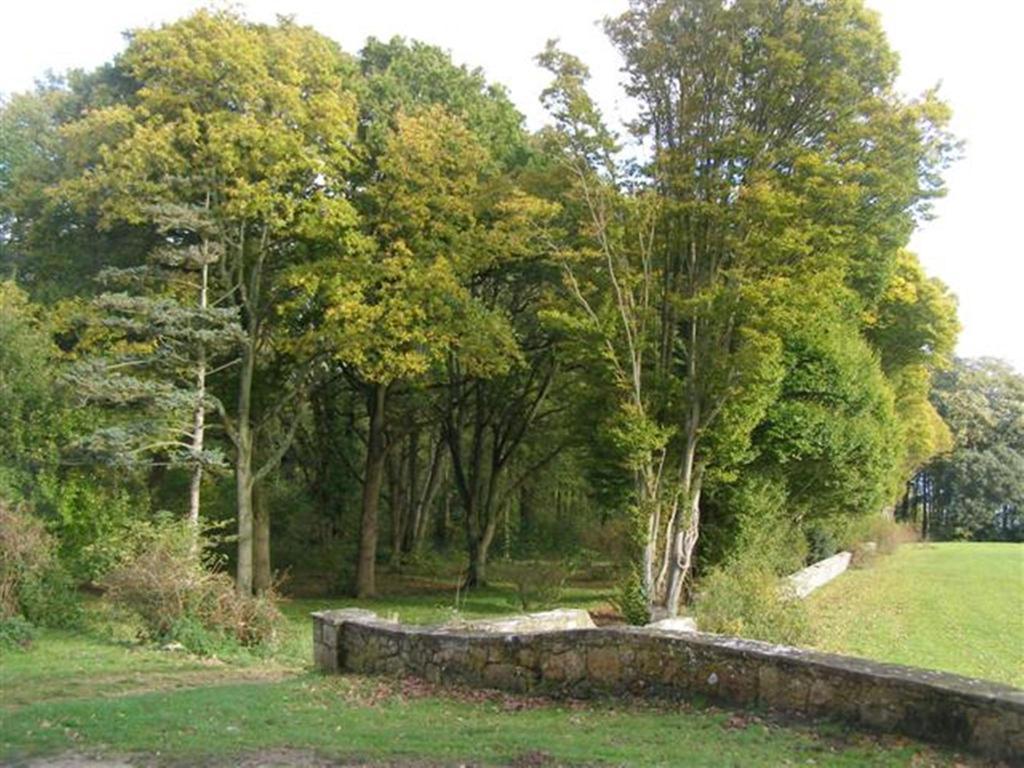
(984, 717)
(803, 582)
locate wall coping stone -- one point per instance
(807, 580)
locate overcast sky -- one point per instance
(973, 48)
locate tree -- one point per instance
(783, 168)
(30, 406)
(488, 416)
(974, 490)
(83, 506)
(437, 211)
(161, 333)
(254, 124)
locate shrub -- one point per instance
(631, 599)
(15, 633)
(747, 599)
(821, 543)
(889, 535)
(886, 534)
(537, 584)
(171, 581)
(33, 582)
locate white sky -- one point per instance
(973, 47)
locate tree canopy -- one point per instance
(360, 284)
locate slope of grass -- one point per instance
(957, 607)
(84, 693)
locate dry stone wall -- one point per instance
(981, 716)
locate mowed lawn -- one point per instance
(75, 694)
(957, 607)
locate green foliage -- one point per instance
(199, 638)
(16, 633)
(88, 510)
(49, 598)
(82, 506)
(746, 599)
(156, 337)
(173, 583)
(537, 584)
(402, 75)
(833, 430)
(821, 543)
(976, 490)
(32, 410)
(33, 582)
(632, 599)
(915, 321)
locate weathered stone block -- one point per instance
(604, 666)
(566, 667)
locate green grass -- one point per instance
(87, 694)
(360, 718)
(954, 607)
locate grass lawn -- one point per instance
(86, 694)
(957, 607)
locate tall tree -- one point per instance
(256, 122)
(160, 335)
(782, 164)
(437, 210)
(974, 490)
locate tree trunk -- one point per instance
(684, 544)
(527, 515)
(244, 473)
(243, 490)
(477, 576)
(444, 521)
(199, 415)
(926, 508)
(261, 577)
(426, 500)
(376, 454)
(396, 507)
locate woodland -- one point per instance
(305, 318)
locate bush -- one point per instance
(631, 600)
(177, 588)
(886, 534)
(33, 582)
(15, 633)
(821, 544)
(537, 584)
(890, 536)
(746, 598)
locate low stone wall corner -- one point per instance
(934, 706)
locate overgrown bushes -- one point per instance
(744, 595)
(889, 536)
(747, 599)
(537, 584)
(171, 581)
(34, 587)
